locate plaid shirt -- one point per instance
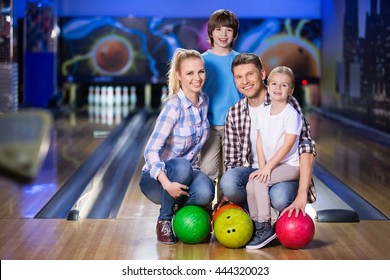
(237, 144)
(181, 130)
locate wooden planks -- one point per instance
(135, 239)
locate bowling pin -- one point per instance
(118, 96)
(103, 96)
(97, 96)
(133, 98)
(103, 116)
(125, 96)
(117, 114)
(110, 96)
(91, 97)
(148, 95)
(110, 115)
(125, 111)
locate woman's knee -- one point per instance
(179, 170)
(202, 189)
(150, 188)
(205, 198)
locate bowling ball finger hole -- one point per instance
(231, 231)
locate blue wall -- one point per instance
(180, 8)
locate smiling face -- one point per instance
(248, 79)
(223, 37)
(192, 75)
(280, 87)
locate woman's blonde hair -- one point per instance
(178, 57)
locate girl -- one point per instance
(277, 150)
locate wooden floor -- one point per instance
(356, 161)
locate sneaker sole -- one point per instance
(166, 243)
(261, 245)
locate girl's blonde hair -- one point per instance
(178, 57)
(283, 70)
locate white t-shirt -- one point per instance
(254, 115)
(273, 129)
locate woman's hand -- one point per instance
(176, 189)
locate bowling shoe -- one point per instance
(264, 234)
(165, 233)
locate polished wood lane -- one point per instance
(135, 239)
(361, 164)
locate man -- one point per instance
(240, 158)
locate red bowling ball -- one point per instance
(295, 232)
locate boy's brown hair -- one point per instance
(221, 18)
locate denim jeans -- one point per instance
(201, 188)
(233, 186)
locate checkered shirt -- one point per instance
(237, 145)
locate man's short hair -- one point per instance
(247, 58)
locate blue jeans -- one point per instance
(233, 186)
(201, 188)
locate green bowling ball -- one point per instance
(233, 228)
(191, 224)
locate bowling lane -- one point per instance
(348, 152)
(135, 204)
(75, 136)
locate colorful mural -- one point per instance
(118, 50)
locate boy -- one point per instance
(219, 86)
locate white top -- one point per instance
(254, 115)
(273, 129)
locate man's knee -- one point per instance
(283, 194)
(228, 182)
(232, 186)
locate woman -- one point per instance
(171, 176)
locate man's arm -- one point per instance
(305, 172)
(307, 153)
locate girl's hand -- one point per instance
(266, 174)
(254, 175)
